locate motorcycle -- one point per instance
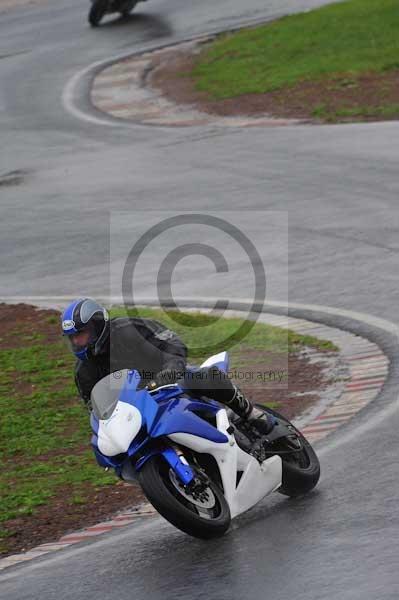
(197, 465)
(99, 8)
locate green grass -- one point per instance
(34, 426)
(366, 112)
(201, 330)
(44, 431)
(350, 38)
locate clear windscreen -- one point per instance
(104, 395)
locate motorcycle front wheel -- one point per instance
(203, 515)
(97, 11)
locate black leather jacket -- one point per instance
(133, 343)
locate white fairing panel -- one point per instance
(257, 480)
(215, 360)
(117, 433)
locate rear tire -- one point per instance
(126, 12)
(301, 471)
(157, 483)
(97, 11)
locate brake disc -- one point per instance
(203, 499)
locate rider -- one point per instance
(103, 346)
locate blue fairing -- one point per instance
(163, 415)
(164, 412)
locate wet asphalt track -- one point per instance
(340, 187)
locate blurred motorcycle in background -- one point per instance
(99, 8)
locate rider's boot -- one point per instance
(244, 408)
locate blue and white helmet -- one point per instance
(85, 314)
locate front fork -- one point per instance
(176, 460)
(179, 464)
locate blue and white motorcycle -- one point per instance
(198, 464)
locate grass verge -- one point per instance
(354, 45)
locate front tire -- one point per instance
(301, 470)
(97, 11)
(172, 501)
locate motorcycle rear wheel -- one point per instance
(97, 11)
(125, 12)
(301, 470)
(208, 520)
